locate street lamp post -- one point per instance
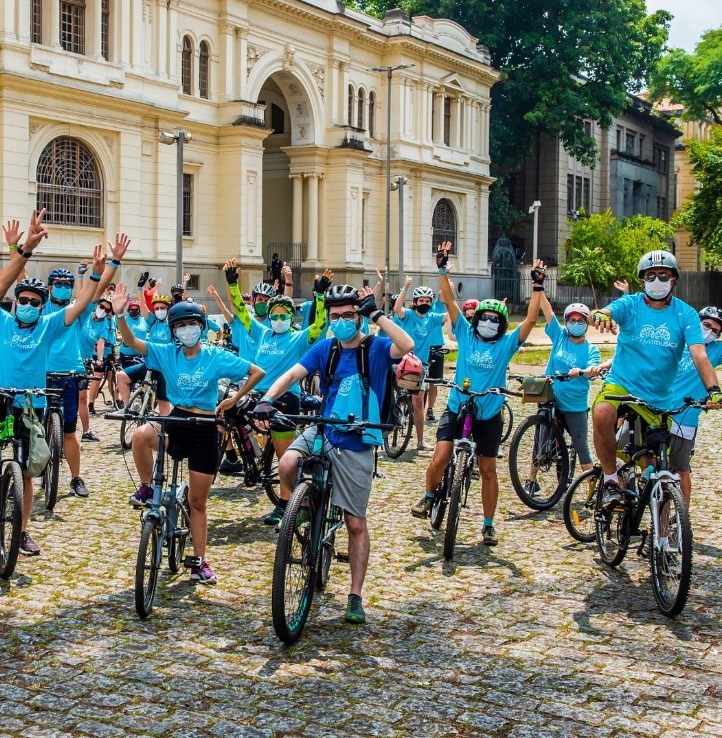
(179, 138)
(534, 208)
(398, 184)
(389, 73)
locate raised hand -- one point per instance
(120, 298)
(286, 273)
(83, 267)
(539, 272)
(622, 285)
(12, 232)
(407, 283)
(325, 282)
(442, 254)
(98, 259)
(143, 279)
(118, 249)
(186, 278)
(212, 291)
(379, 275)
(367, 307)
(36, 232)
(231, 271)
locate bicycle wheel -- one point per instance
(507, 419)
(51, 474)
(137, 404)
(11, 517)
(540, 446)
(612, 529)
(150, 552)
(671, 565)
(328, 550)
(269, 475)
(441, 499)
(177, 546)
(580, 502)
(396, 440)
(460, 482)
(294, 567)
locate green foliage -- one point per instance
(501, 211)
(601, 248)
(702, 213)
(692, 80)
(372, 7)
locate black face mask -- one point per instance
(134, 313)
(423, 309)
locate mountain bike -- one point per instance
(397, 438)
(143, 401)
(166, 522)
(305, 547)
(453, 490)
(656, 493)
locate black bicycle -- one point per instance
(305, 547)
(142, 401)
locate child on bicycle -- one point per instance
(485, 350)
(191, 369)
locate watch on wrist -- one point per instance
(377, 315)
(23, 253)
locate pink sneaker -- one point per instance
(203, 573)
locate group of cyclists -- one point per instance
(269, 345)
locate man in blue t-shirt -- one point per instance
(352, 459)
(654, 328)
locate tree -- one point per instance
(702, 213)
(692, 80)
(601, 248)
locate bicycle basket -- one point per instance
(537, 389)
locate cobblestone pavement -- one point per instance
(532, 638)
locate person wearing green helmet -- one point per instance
(485, 350)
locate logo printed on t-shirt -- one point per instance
(191, 381)
(24, 343)
(346, 385)
(565, 357)
(479, 360)
(655, 336)
(686, 364)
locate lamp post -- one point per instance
(389, 73)
(398, 184)
(179, 138)
(534, 208)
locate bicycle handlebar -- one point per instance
(471, 393)
(689, 402)
(165, 419)
(37, 391)
(351, 421)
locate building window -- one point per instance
(630, 143)
(364, 219)
(443, 225)
(587, 195)
(278, 119)
(360, 108)
(36, 22)
(661, 158)
(72, 26)
(194, 283)
(349, 105)
(105, 29)
(372, 113)
(187, 204)
(570, 193)
(662, 207)
(69, 184)
(187, 66)
(204, 60)
(447, 121)
(588, 128)
(619, 139)
(577, 193)
(641, 146)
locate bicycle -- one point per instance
(539, 446)
(305, 548)
(108, 382)
(397, 439)
(656, 489)
(453, 489)
(166, 522)
(143, 401)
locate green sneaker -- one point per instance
(355, 610)
(489, 534)
(274, 517)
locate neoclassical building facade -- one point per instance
(288, 126)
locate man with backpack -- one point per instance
(354, 370)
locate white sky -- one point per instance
(691, 19)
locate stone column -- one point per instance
(134, 33)
(171, 63)
(438, 122)
(228, 53)
(312, 252)
(51, 30)
(297, 219)
(161, 37)
(456, 112)
(23, 15)
(321, 217)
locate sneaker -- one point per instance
(89, 436)
(28, 547)
(612, 496)
(274, 517)
(230, 468)
(531, 487)
(424, 447)
(91, 408)
(203, 573)
(423, 507)
(143, 497)
(355, 610)
(489, 534)
(78, 488)
(430, 417)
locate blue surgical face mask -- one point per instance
(576, 329)
(27, 313)
(344, 330)
(61, 292)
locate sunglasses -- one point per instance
(34, 301)
(350, 315)
(279, 316)
(490, 318)
(661, 277)
(104, 309)
(710, 327)
(576, 321)
(58, 283)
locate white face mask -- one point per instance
(100, 313)
(708, 336)
(160, 313)
(485, 329)
(657, 290)
(281, 326)
(188, 335)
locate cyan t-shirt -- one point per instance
(345, 395)
(194, 382)
(158, 330)
(211, 325)
(421, 329)
(66, 353)
(687, 383)
(650, 346)
(305, 308)
(571, 396)
(438, 308)
(485, 364)
(242, 341)
(94, 330)
(139, 328)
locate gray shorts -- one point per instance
(680, 453)
(577, 425)
(352, 472)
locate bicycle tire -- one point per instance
(269, 475)
(138, 404)
(11, 517)
(294, 551)
(672, 599)
(552, 462)
(51, 473)
(612, 530)
(460, 474)
(147, 567)
(441, 500)
(397, 439)
(177, 545)
(507, 419)
(580, 502)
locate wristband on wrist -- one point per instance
(403, 289)
(713, 388)
(266, 398)
(13, 246)
(443, 271)
(95, 277)
(377, 315)
(24, 254)
(114, 263)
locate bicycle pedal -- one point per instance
(342, 556)
(192, 561)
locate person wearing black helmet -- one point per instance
(654, 328)
(192, 370)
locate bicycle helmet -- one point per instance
(492, 306)
(469, 305)
(282, 301)
(711, 313)
(263, 288)
(576, 307)
(654, 259)
(342, 294)
(186, 310)
(423, 292)
(133, 304)
(161, 298)
(177, 288)
(56, 274)
(32, 284)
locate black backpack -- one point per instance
(388, 410)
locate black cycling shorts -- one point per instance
(200, 444)
(485, 433)
(436, 364)
(137, 372)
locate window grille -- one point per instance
(187, 204)
(105, 29)
(372, 113)
(36, 21)
(204, 58)
(360, 110)
(443, 225)
(72, 26)
(187, 66)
